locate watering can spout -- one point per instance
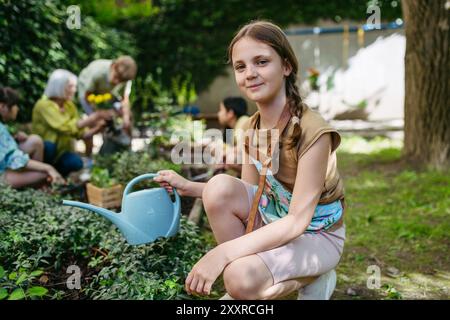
(110, 215)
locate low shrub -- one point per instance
(38, 234)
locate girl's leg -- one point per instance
(227, 206)
(248, 278)
(34, 146)
(21, 179)
(279, 271)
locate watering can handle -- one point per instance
(177, 204)
(130, 184)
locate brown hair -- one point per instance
(273, 36)
(9, 96)
(126, 68)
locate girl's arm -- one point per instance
(311, 171)
(94, 118)
(43, 167)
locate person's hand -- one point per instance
(21, 136)
(99, 126)
(205, 272)
(54, 176)
(106, 114)
(169, 179)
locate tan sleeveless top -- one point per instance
(313, 126)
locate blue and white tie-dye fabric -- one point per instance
(275, 200)
(11, 157)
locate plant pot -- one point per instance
(105, 197)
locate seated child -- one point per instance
(17, 168)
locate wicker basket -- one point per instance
(105, 197)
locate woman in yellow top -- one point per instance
(55, 118)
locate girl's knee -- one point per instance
(218, 190)
(239, 282)
(36, 141)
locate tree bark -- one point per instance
(427, 108)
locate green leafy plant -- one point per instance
(35, 40)
(37, 233)
(101, 178)
(18, 285)
(392, 293)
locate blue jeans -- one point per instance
(66, 163)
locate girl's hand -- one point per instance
(205, 272)
(54, 176)
(21, 136)
(169, 179)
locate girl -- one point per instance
(16, 167)
(55, 118)
(299, 234)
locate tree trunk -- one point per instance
(427, 108)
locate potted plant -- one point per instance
(102, 190)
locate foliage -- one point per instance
(128, 165)
(35, 40)
(182, 37)
(37, 233)
(153, 271)
(101, 178)
(18, 285)
(150, 97)
(107, 11)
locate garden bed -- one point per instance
(40, 237)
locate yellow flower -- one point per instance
(98, 99)
(107, 97)
(91, 98)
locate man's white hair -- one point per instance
(56, 84)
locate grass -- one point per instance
(397, 220)
(397, 223)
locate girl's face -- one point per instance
(8, 114)
(71, 88)
(259, 71)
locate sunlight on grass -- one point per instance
(357, 144)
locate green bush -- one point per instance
(34, 41)
(38, 234)
(18, 285)
(186, 37)
(125, 166)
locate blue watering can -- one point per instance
(146, 214)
